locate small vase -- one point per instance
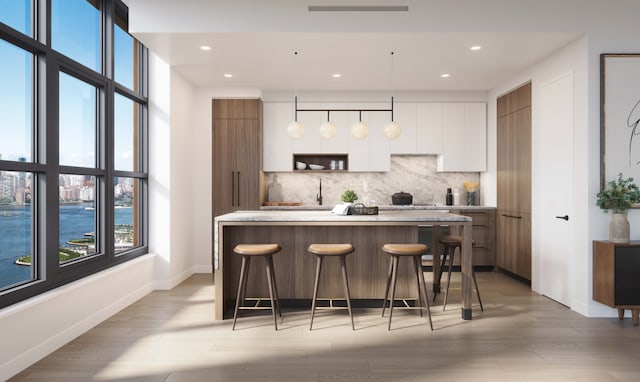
(619, 228)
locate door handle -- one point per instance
(512, 216)
(565, 217)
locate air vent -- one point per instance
(358, 8)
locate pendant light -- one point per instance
(328, 129)
(392, 129)
(360, 130)
(295, 128)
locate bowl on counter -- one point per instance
(301, 165)
(316, 167)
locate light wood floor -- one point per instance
(521, 336)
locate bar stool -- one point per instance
(247, 251)
(451, 243)
(415, 251)
(321, 251)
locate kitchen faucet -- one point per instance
(319, 196)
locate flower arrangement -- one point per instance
(349, 196)
(619, 195)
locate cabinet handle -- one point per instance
(565, 217)
(233, 188)
(238, 189)
(512, 216)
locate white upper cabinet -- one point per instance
(311, 120)
(405, 114)
(464, 138)
(372, 152)
(277, 146)
(475, 128)
(429, 128)
(456, 132)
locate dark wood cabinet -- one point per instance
(616, 276)
(513, 249)
(513, 237)
(484, 234)
(237, 155)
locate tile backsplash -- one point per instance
(409, 173)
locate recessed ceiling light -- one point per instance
(476, 47)
(228, 75)
(445, 75)
(337, 75)
(205, 47)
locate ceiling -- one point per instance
(255, 42)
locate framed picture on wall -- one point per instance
(619, 116)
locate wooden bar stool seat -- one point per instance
(450, 244)
(321, 251)
(414, 251)
(248, 251)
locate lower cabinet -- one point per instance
(513, 242)
(616, 276)
(483, 233)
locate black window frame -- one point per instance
(48, 273)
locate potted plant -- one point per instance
(619, 195)
(349, 196)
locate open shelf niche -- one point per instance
(324, 160)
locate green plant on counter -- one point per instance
(349, 196)
(619, 195)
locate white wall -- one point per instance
(171, 174)
(184, 172)
(608, 41)
(31, 329)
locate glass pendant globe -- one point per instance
(392, 130)
(296, 130)
(328, 130)
(360, 130)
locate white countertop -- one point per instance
(404, 215)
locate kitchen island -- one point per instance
(295, 230)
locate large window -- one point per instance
(75, 30)
(73, 180)
(17, 15)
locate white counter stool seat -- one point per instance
(415, 252)
(248, 251)
(450, 244)
(338, 250)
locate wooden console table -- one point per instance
(616, 276)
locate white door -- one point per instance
(553, 191)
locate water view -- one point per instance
(76, 222)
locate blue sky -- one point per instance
(75, 33)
